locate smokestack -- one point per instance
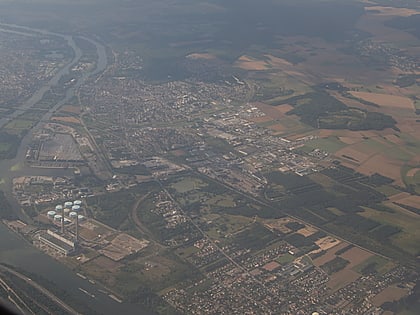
(77, 229)
(62, 221)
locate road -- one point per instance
(265, 204)
(214, 244)
(139, 225)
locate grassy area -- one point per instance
(413, 310)
(388, 190)
(413, 180)
(185, 252)
(323, 180)
(222, 201)
(4, 146)
(254, 237)
(222, 227)
(335, 211)
(32, 115)
(19, 124)
(9, 144)
(187, 184)
(330, 144)
(285, 259)
(376, 263)
(294, 127)
(280, 87)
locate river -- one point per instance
(16, 251)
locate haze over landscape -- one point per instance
(210, 157)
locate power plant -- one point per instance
(63, 215)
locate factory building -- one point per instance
(57, 242)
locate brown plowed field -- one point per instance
(386, 100)
(355, 256)
(342, 278)
(329, 255)
(388, 295)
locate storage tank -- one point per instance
(68, 204)
(75, 208)
(51, 214)
(58, 208)
(67, 221)
(57, 217)
(80, 217)
(77, 202)
(73, 215)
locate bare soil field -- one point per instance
(411, 201)
(327, 242)
(398, 197)
(349, 140)
(87, 234)
(178, 152)
(71, 109)
(358, 156)
(307, 231)
(106, 263)
(201, 56)
(72, 120)
(274, 112)
(355, 256)
(249, 63)
(391, 11)
(413, 172)
(279, 224)
(342, 278)
(261, 119)
(389, 294)
(384, 166)
(409, 125)
(415, 160)
(329, 255)
(373, 22)
(123, 245)
(278, 62)
(394, 139)
(277, 127)
(386, 100)
(403, 211)
(271, 266)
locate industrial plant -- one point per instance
(66, 218)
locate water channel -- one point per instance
(14, 250)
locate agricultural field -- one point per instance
(374, 264)
(409, 236)
(297, 142)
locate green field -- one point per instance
(17, 125)
(4, 147)
(285, 259)
(188, 184)
(224, 226)
(221, 201)
(380, 265)
(409, 238)
(330, 144)
(411, 181)
(388, 190)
